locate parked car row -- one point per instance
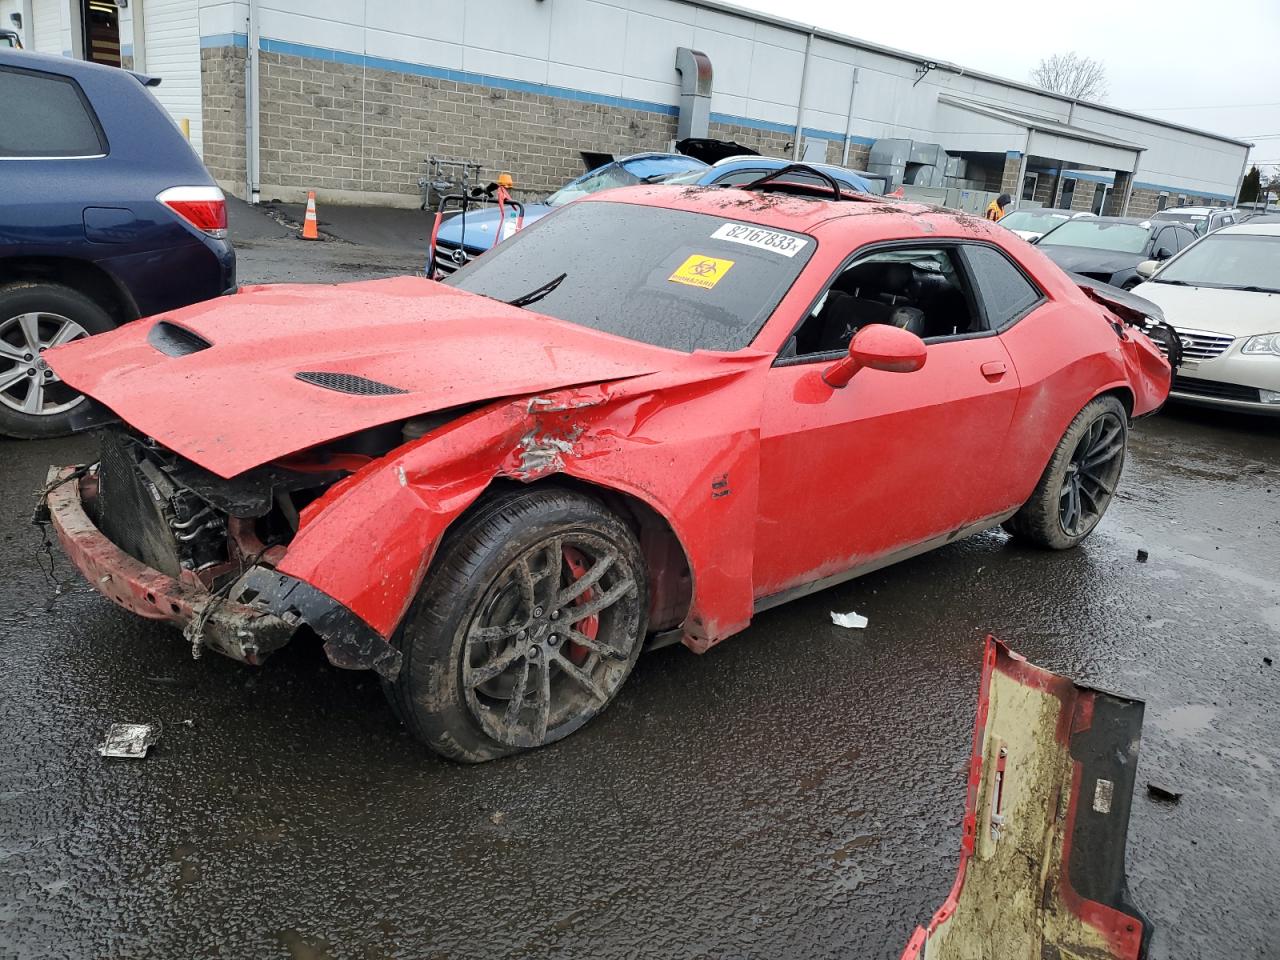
(468, 235)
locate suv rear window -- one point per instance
(675, 279)
(46, 115)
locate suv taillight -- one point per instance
(205, 208)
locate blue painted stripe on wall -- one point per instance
(224, 40)
(1013, 154)
(290, 49)
(1183, 190)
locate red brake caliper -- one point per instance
(587, 626)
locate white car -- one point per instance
(1034, 223)
(1222, 295)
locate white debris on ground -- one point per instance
(853, 620)
(129, 740)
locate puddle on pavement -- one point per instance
(1186, 721)
(304, 948)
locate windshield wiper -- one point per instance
(1175, 283)
(1253, 288)
(537, 293)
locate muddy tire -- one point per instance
(1078, 484)
(528, 623)
(34, 403)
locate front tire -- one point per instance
(1078, 484)
(530, 619)
(35, 317)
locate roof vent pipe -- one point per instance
(694, 68)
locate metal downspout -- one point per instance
(848, 119)
(252, 108)
(804, 83)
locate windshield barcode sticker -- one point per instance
(780, 243)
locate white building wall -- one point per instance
(51, 26)
(626, 49)
(171, 51)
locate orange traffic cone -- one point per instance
(310, 227)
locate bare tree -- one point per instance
(1072, 75)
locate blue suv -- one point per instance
(106, 215)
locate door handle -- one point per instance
(994, 369)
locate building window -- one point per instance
(1029, 186)
(101, 21)
(1162, 202)
(1068, 193)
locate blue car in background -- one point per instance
(106, 215)
(733, 171)
(461, 239)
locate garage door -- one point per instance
(171, 30)
(46, 25)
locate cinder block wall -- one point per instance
(362, 135)
(223, 108)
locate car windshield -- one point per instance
(1041, 220)
(1099, 235)
(617, 174)
(685, 281)
(1227, 260)
(606, 178)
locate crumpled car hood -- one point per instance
(412, 346)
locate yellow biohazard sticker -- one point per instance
(701, 271)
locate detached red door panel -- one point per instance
(892, 460)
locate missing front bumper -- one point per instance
(258, 615)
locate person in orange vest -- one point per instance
(995, 209)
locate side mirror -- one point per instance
(880, 347)
(1164, 253)
(1146, 268)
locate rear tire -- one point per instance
(1078, 484)
(499, 656)
(34, 403)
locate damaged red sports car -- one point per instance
(637, 422)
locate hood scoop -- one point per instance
(175, 341)
(348, 383)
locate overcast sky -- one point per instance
(1210, 65)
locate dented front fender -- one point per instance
(369, 541)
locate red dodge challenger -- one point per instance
(637, 422)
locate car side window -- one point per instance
(1004, 292)
(918, 288)
(46, 115)
(1185, 238)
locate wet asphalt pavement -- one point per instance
(794, 793)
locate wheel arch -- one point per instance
(83, 276)
(670, 573)
(1122, 393)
